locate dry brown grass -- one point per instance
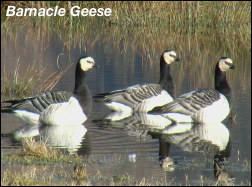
(192, 14)
(39, 149)
(14, 84)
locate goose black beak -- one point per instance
(178, 59)
(96, 66)
(232, 67)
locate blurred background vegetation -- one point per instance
(191, 14)
(195, 29)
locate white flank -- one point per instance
(213, 113)
(67, 113)
(145, 106)
(28, 117)
(150, 103)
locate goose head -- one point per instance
(87, 63)
(225, 64)
(170, 56)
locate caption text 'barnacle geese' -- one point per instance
(143, 97)
(203, 105)
(57, 107)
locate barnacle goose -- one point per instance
(203, 105)
(57, 107)
(143, 97)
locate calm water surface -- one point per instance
(136, 148)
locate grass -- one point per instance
(32, 175)
(38, 149)
(144, 22)
(195, 47)
(13, 84)
(137, 30)
(190, 14)
(37, 152)
(140, 25)
(37, 164)
(197, 30)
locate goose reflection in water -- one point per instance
(137, 124)
(66, 137)
(212, 140)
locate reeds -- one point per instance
(144, 21)
(189, 14)
(197, 47)
(202, 30)
(16, 85)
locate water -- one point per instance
(127, 146)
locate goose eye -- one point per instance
(173, 56)
(90, 62)
(227, 63)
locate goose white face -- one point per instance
(87, 63)
(170, 57)
(225, 64)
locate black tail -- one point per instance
(99, 97)
(6, 109)
(107, 96)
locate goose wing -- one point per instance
(131, 95)
(190, 103)
(38, 103)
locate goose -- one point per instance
(57, 107)
(143, 97)
(203, 105)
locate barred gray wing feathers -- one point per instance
(39, 102)
(131, 95)
(191, 102)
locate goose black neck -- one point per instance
(166, 80)
(80, 79)
(81, 91)
(221, 83)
